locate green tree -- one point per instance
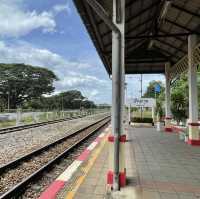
(150, 92)
(72, 99)
(21, 83)
(179, 98)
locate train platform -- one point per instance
(159, 166)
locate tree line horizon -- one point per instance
(25, 86)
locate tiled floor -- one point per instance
(159, 166)
(94, 186)
(166, 165)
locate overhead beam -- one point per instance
(151, 71)
(157, 36)
(171, 45)
(130, 4)
(143, 11)
(145, 61)
(182, 27)
(185, 10)
(167, 52)
(109, 44)
(177, 37)
(139, 25)
(132, 28)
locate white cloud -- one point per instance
(67, 71)
(61, 7)
(15, 21)
(25, 53)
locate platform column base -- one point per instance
(122, 169)
(168, 126)
(194, 136)
(122, 178)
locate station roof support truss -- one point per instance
(182, 65)
(150, 26)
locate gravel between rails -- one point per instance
(16, 175)
(34, 190)
(15, 145)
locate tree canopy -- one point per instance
(20, 83)
(72, 99)
(150, 92)
(179, 98)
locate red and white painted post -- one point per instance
(168, 127)
(194, 137)
(116, 176)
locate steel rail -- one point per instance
(19, 188)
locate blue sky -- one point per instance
(50, 34)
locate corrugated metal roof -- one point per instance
(142, 16)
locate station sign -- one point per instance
(157, 88)
(142, 102)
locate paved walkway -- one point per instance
(166, 166)
(159, 166)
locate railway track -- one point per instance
(28, 126)
(18, 174)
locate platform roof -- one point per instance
(150, 40)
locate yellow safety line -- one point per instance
(86, 169)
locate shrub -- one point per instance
(141, 120)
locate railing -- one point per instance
(22, 117)
(182, 65)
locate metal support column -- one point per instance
(194, 137)
(117, 75)
(167, 99)
(118, 86)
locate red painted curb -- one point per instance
(84, 155)
(52, 190)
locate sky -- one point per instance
(50, 34)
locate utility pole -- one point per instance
(8, 101)
(141, 108)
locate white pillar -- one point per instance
(129, 113)
(167, 90)
(193, 94)
(118, 89)
(167, 99)
(152, 113)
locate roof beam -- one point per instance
(166, 52)
(146, 61)
(143, 31)
(134, 46)
(157, 36)
(133, 17)
(171, 45)
(177, 37)
(185, 10)
(181, 26)
(140, 24)
(143, 11)
(130, 4)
